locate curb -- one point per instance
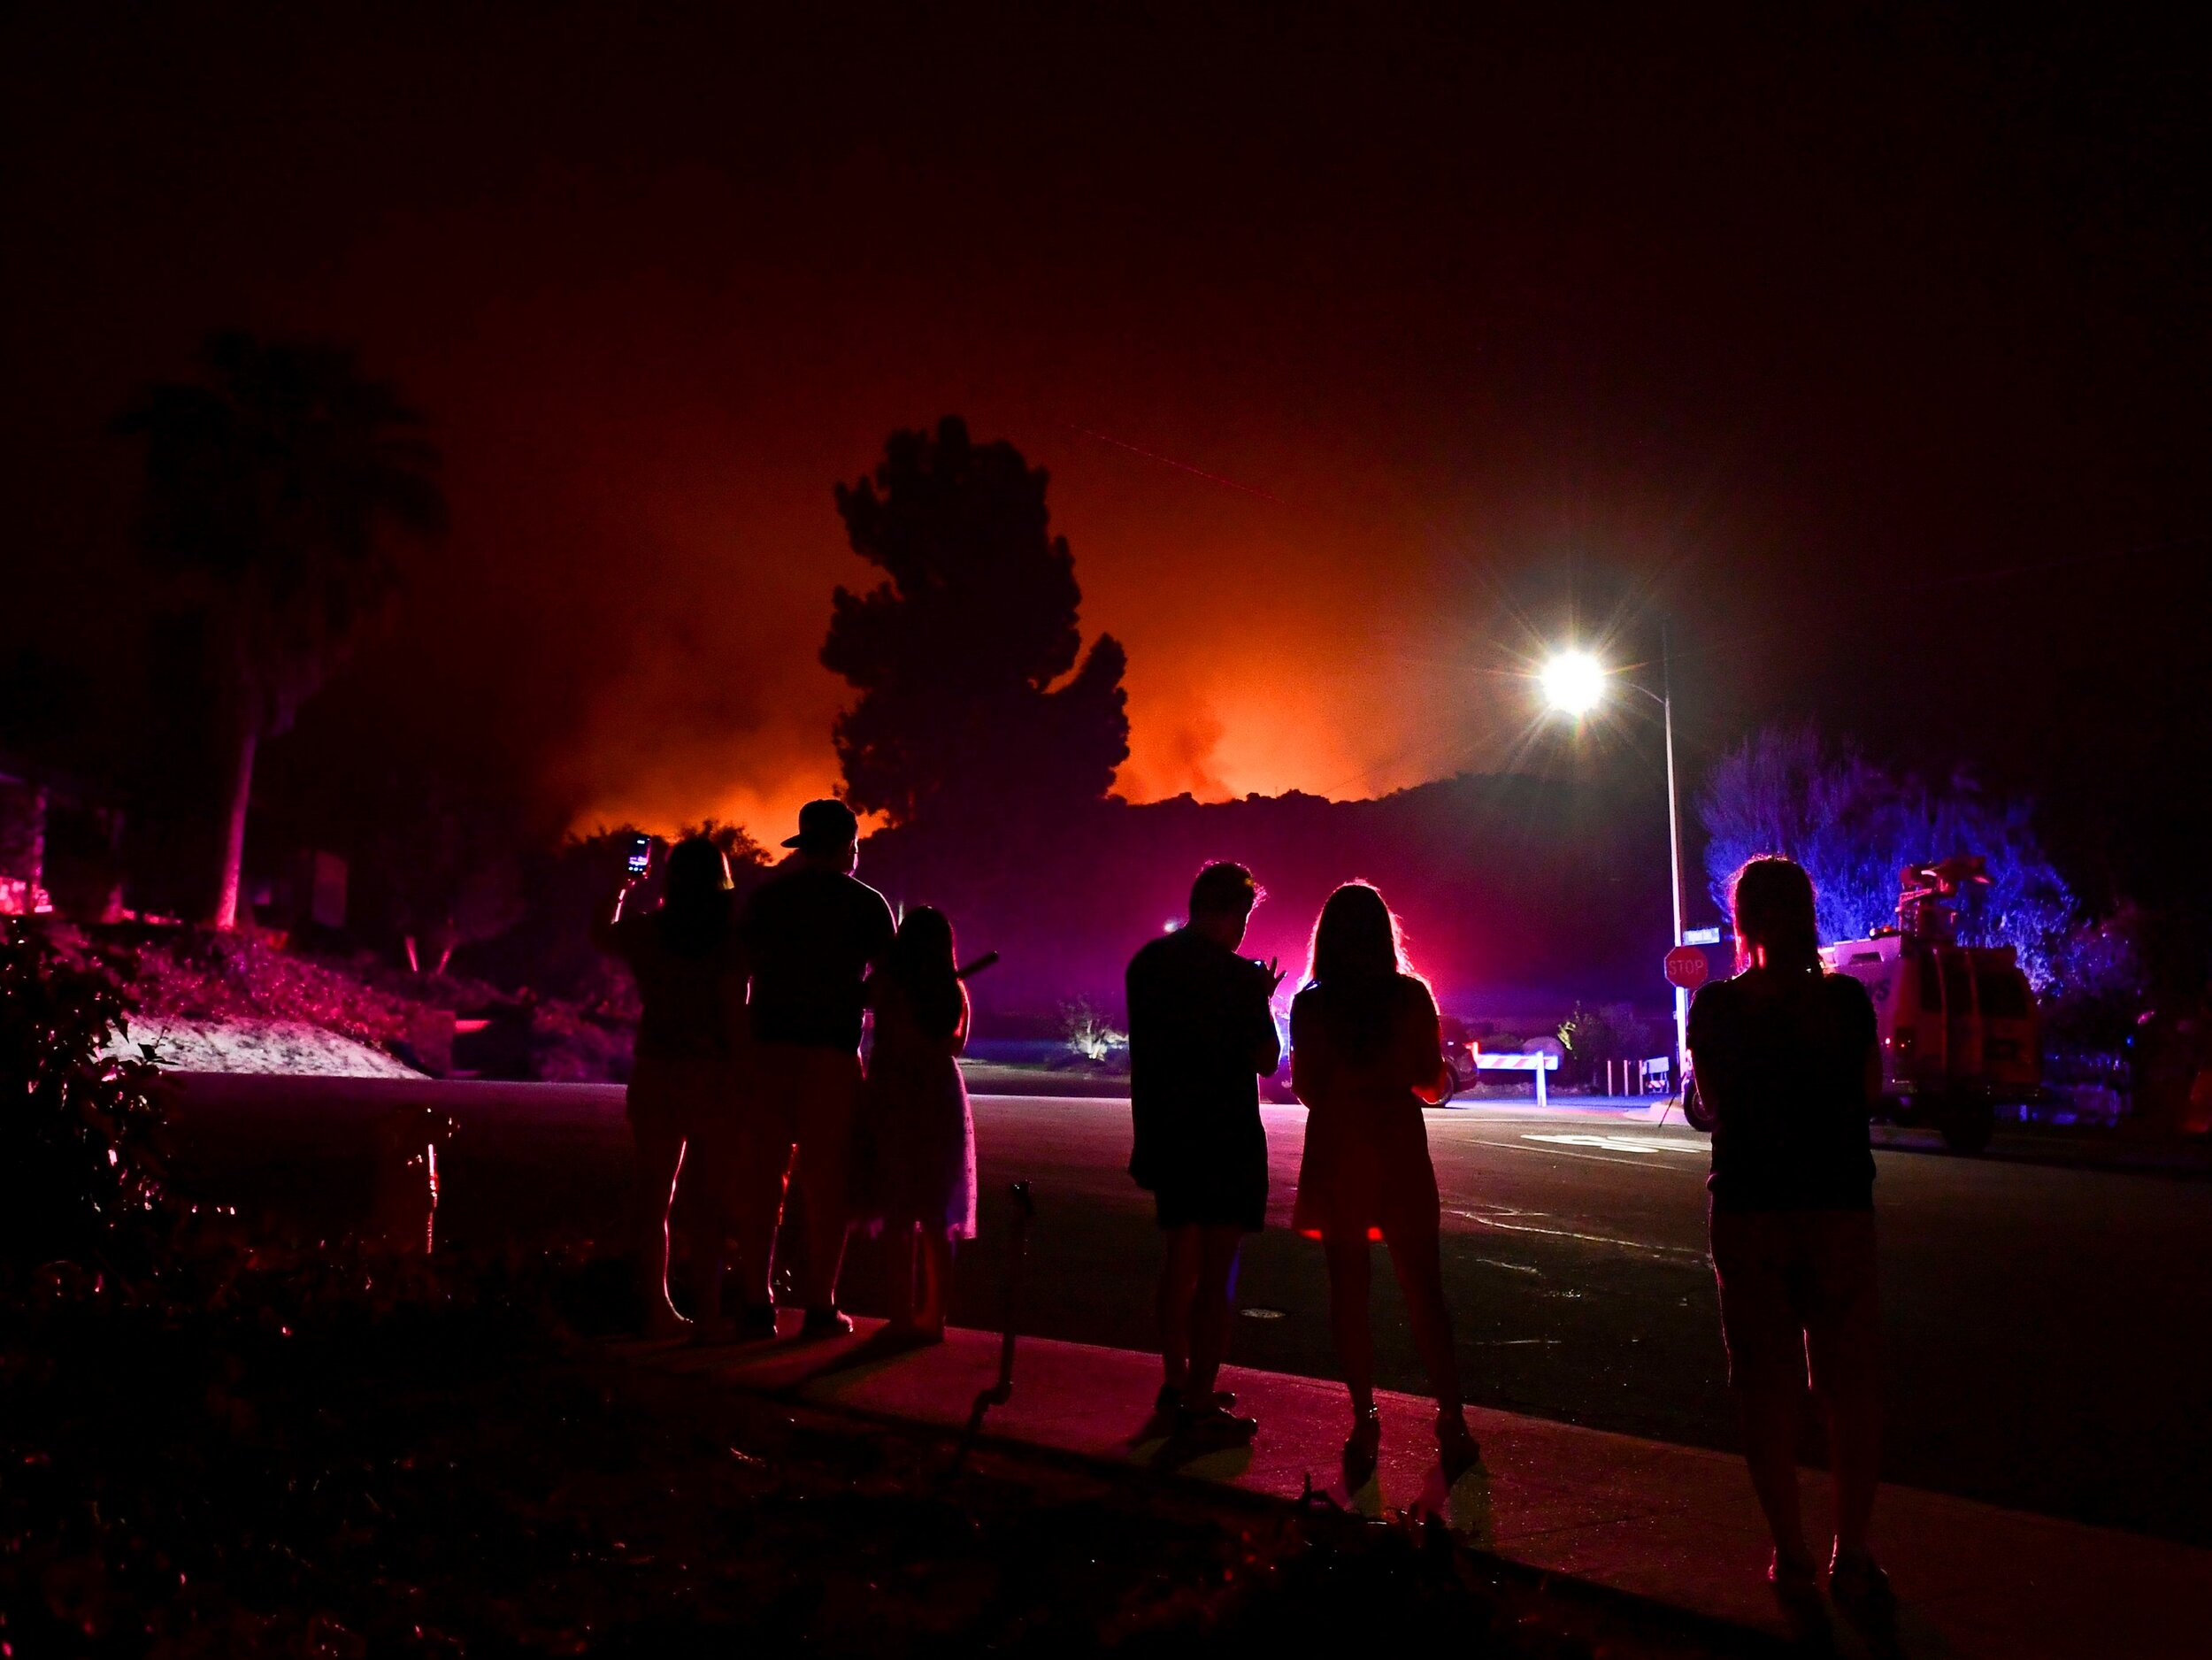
(1708, 1633)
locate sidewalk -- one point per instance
(1675, 1524)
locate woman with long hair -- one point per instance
(1366, 1055)
(1787, 1060)
(915, 1142)
(689, 959)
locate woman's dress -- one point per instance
(1365, 1173)
(916, 1136)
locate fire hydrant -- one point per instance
(404, 1208)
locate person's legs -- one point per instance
(707, 1162)
(1766, 1369)
(1350, 1265)
(1854, 1452)
(756, 1207)
(829, 1092)
(1349, 1261)
(760, 1174)
(1416, 1259)
(936, 1281)
(660, 1157)
(709, 1168)
(1178, 1282)
(1770, 1410)
(1218, 1246)
(1843, 1340)
(902, 1242)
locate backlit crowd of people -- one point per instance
(750, 1081)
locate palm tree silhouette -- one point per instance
(272, 484)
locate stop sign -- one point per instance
(1687, 968)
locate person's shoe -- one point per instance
(1165, 1406)
(755, 1323)
(1790, 1578)
(1466, 1478)
(1207, 1429)
(1170, 1401)
(830, 1322)
(1796, 1588)
(1456, 1448)
(1858, 1586)
(1362, 1449)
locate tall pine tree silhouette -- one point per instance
(963, 654)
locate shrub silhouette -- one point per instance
(81, 1171)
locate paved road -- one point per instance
(2048, 1328)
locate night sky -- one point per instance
(1867, 348)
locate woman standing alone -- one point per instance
(1787, 1061)
(1365, 1055)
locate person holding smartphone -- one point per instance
(688, 956)
(1201, 1038)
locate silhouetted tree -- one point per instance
(271, 485)
(955, 654)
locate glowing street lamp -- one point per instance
(1574, 684)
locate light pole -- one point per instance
(1574, 683)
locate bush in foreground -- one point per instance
(80, 1128)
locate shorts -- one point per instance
(805, 1099)
(1798, 1296)
(1227, 1200)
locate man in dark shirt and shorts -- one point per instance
(812, 932)
(1201, 1036)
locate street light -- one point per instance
(1574, 683)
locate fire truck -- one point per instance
(1958, 1026)
(1959, 1030)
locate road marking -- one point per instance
(1562, 1152)
(1481, 1220)
(1618, 1143)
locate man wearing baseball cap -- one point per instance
(813, 930)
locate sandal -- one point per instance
(1857, 1586)
(1456, 1445)
(1362, 1451)
(1466, 1478)
(1796, 1588)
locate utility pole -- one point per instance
(1674, 858)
